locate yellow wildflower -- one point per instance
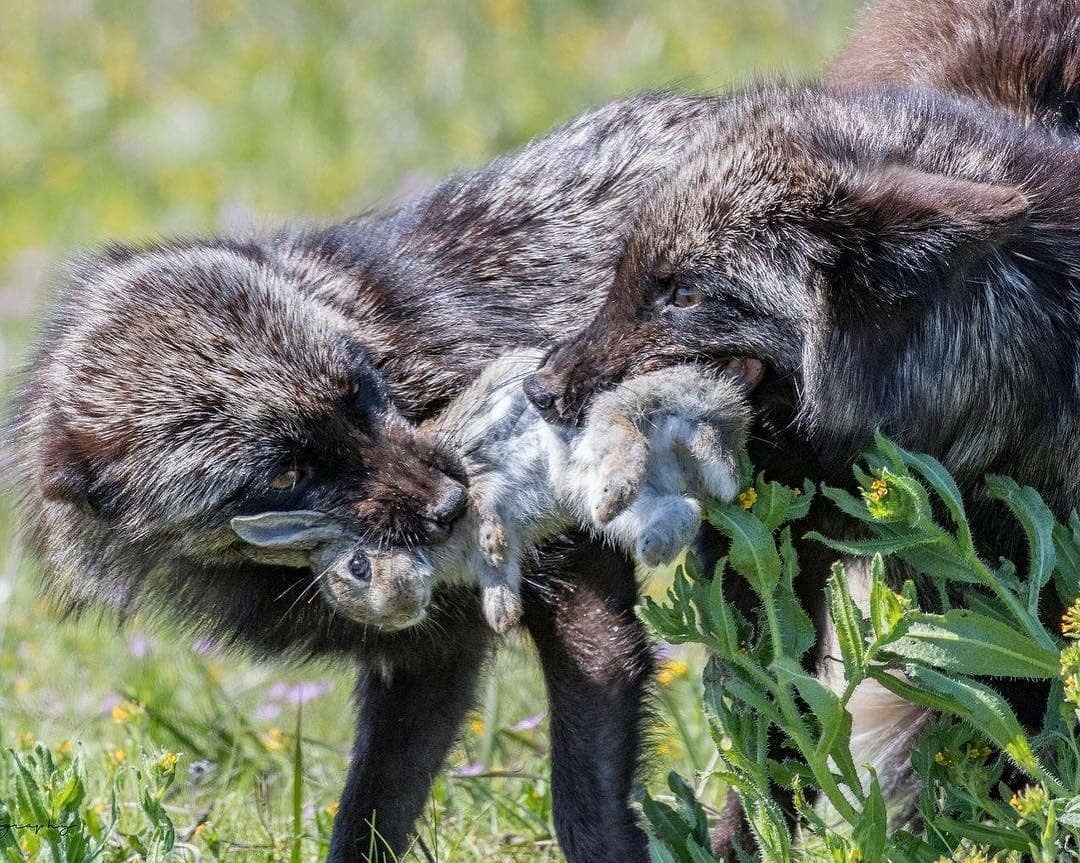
(166, 764)
(116, 757)
(748, 498)
(894, 498)
(1070, 660)
(1070, 621)
(274, 739)
(65, 749)
(671, 671)
(199, 829)
(126, 711)
(21, 686)
(1031, 801)
(877, 493)
(332, 809)
(975, 752)
(476, 726)
(27, 740)
(1072, 690)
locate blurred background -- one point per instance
(132, 120)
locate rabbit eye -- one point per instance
(359, 567)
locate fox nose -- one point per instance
(537, 392)
(450, 505)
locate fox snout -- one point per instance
(589, 362)
(541, 391)
(564, 385)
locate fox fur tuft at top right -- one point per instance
(1022, 56)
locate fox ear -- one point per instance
(65, 474)
(909, 230)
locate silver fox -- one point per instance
(648, 451)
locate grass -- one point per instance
(127, 120)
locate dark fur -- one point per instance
(1022, 56)
(898, 259)
(887, 241)
(174, 382)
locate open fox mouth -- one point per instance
(747, 372)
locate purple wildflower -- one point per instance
(267, 712)
(139, 645)
(529, 722)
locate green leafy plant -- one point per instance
(982, 620)
(47, 813)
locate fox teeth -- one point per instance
(745, 371)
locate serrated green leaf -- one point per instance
(68, 796)
(965, 641)
(984, 709)
(899, 686)
(801, 503)
(870, 833)
(28, 794)
(753, 552)
(667, 826)
(847, 623)
(886, 606)
(692, 566)
(982, 834)
(939, 563)
(868, 547)
(689, 808)
(824, 704)
(720, 680)
(772, 504)
(890, 451)
(8, 843)
(848, 503)
(699, 854)
(1038, 523)
(659, 852)
(770, 829)
(796, 628)
(944, 485)
(1067, 571)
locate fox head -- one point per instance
(807, 228)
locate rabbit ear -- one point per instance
(298, 529)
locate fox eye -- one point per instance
(685, 297)
(287, 480)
